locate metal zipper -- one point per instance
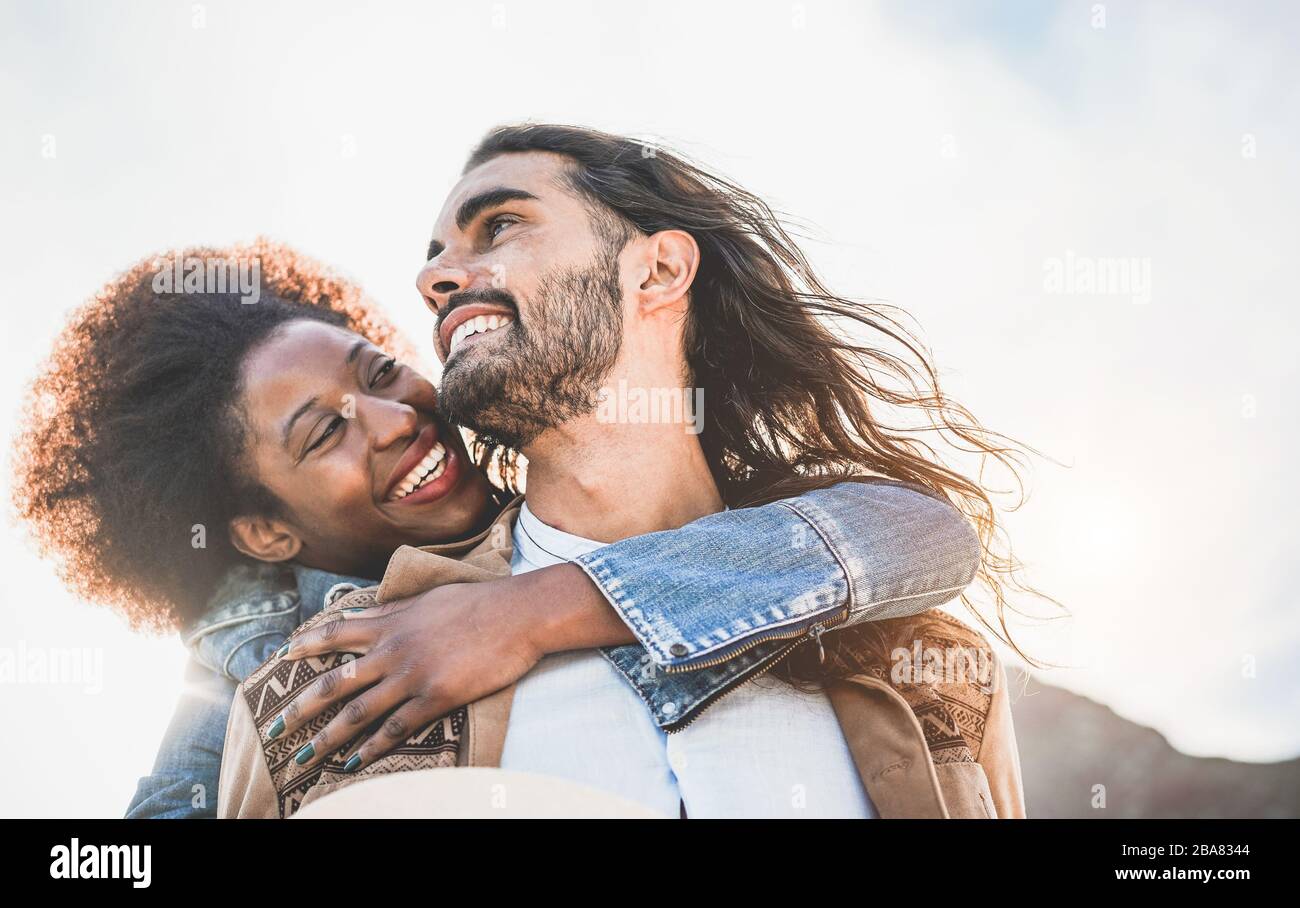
(754, 641)
(813, 633)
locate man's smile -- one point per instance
(471, 320)
(476, 327)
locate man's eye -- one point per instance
(496, 225)
(389, 366)
(334, 425)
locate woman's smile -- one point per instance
(426, 472)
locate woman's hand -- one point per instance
(420, 658)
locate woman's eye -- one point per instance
(387, 368)
(334, 425)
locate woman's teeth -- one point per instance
(426, 470)
(479, 324)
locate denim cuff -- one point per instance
(904, 549)
(721, 584)
(859, 551)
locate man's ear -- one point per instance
(672, 257)
(264, 539)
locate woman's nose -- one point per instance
(390, 422)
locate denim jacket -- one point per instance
(711, 604)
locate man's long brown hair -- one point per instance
(794, 376)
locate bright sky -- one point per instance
(969, 163)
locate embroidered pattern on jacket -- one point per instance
(952, 712)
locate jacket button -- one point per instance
(678, 649)
(668, 709)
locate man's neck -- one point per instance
(609, 481)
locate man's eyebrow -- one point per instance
(288, 424)
(471, 207)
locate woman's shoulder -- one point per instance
(247, 591)
(254, 607)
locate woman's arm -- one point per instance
(853, 552)
(861, 550)
(183, 783)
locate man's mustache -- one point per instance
(487, 295)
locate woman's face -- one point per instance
(346, 438)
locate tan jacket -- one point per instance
(925, 747)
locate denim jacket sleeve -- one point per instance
(856, 551)
(183, 783)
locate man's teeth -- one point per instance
(426, 470)
(479, 324)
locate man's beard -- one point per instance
(549, 371)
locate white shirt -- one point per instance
(763, 750)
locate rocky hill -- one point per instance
(1069, 744)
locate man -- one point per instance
(583, 303)
(565, 267)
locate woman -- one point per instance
(187, 454)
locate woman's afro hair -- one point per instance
(127, 459)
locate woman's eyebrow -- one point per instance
(288, 423)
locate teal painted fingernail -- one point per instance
(354, 610)
(282, 650)
(305, 754)
(277, 727)
(353, 762)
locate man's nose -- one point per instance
(438, 280)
